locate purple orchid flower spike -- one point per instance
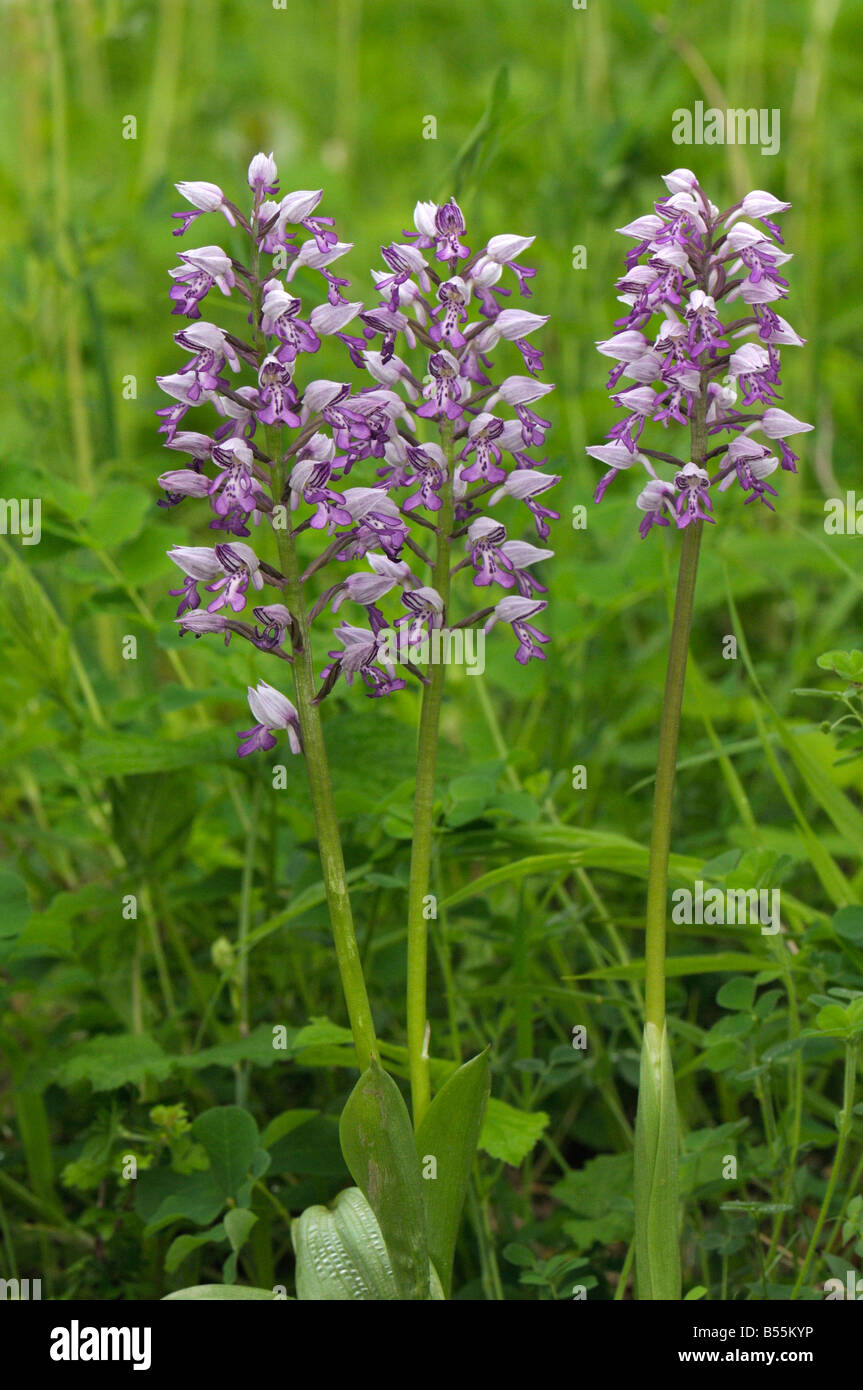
(691, 263)
(352, 494)
(411, 450)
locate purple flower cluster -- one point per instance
(352, 459)
(691, 361)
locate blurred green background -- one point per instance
(567, 115)
(552, 121)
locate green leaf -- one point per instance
(833, 1020)
(521, 1255)
(758, 1208)
(230, 1137)
(117, 514)
(311, 1148)
(848, 923)
(163, 1197)
(182, 1246)
(74, 501)
(341, 1254)
(110, 1060)
(717, 963)
(737, 994)
(600, 1195)
(123, 755)
(657, 1250)
(256, 1047)
(34, 1128)
(284, 1124)
(449, 1133)
(378, 1144)
(542, 864)
(14, 911)
(723, 1056)
(14, 904)
(766, 1003)
(477, 149)
(236, 1293)
(152, 816)
(848, 665)
(238, 1225)
(320, 1032)
(509, 1134)
(735, 1025)
(51, 932)
(32, 623)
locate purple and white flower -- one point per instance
(380, 474)
(692, 358)
(272, 710)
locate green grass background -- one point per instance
(551, 121)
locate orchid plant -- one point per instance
(366, 496)
(701, 341)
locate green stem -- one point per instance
(656, 1180)
(136, 1006)
(851, 1190)
(660, 835)
(440, 940)
(320, 786)
(478, 1208)
(622, 1282)
(421, 849)
(241, 1075)
(158, 950)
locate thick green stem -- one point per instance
(669, 731)
(660, 834)
(241, 1073)
(421, 848)
(320, 786)
(656, 1182)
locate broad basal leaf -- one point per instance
(378, 1144)
(341, 1254)
(446, 1143)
